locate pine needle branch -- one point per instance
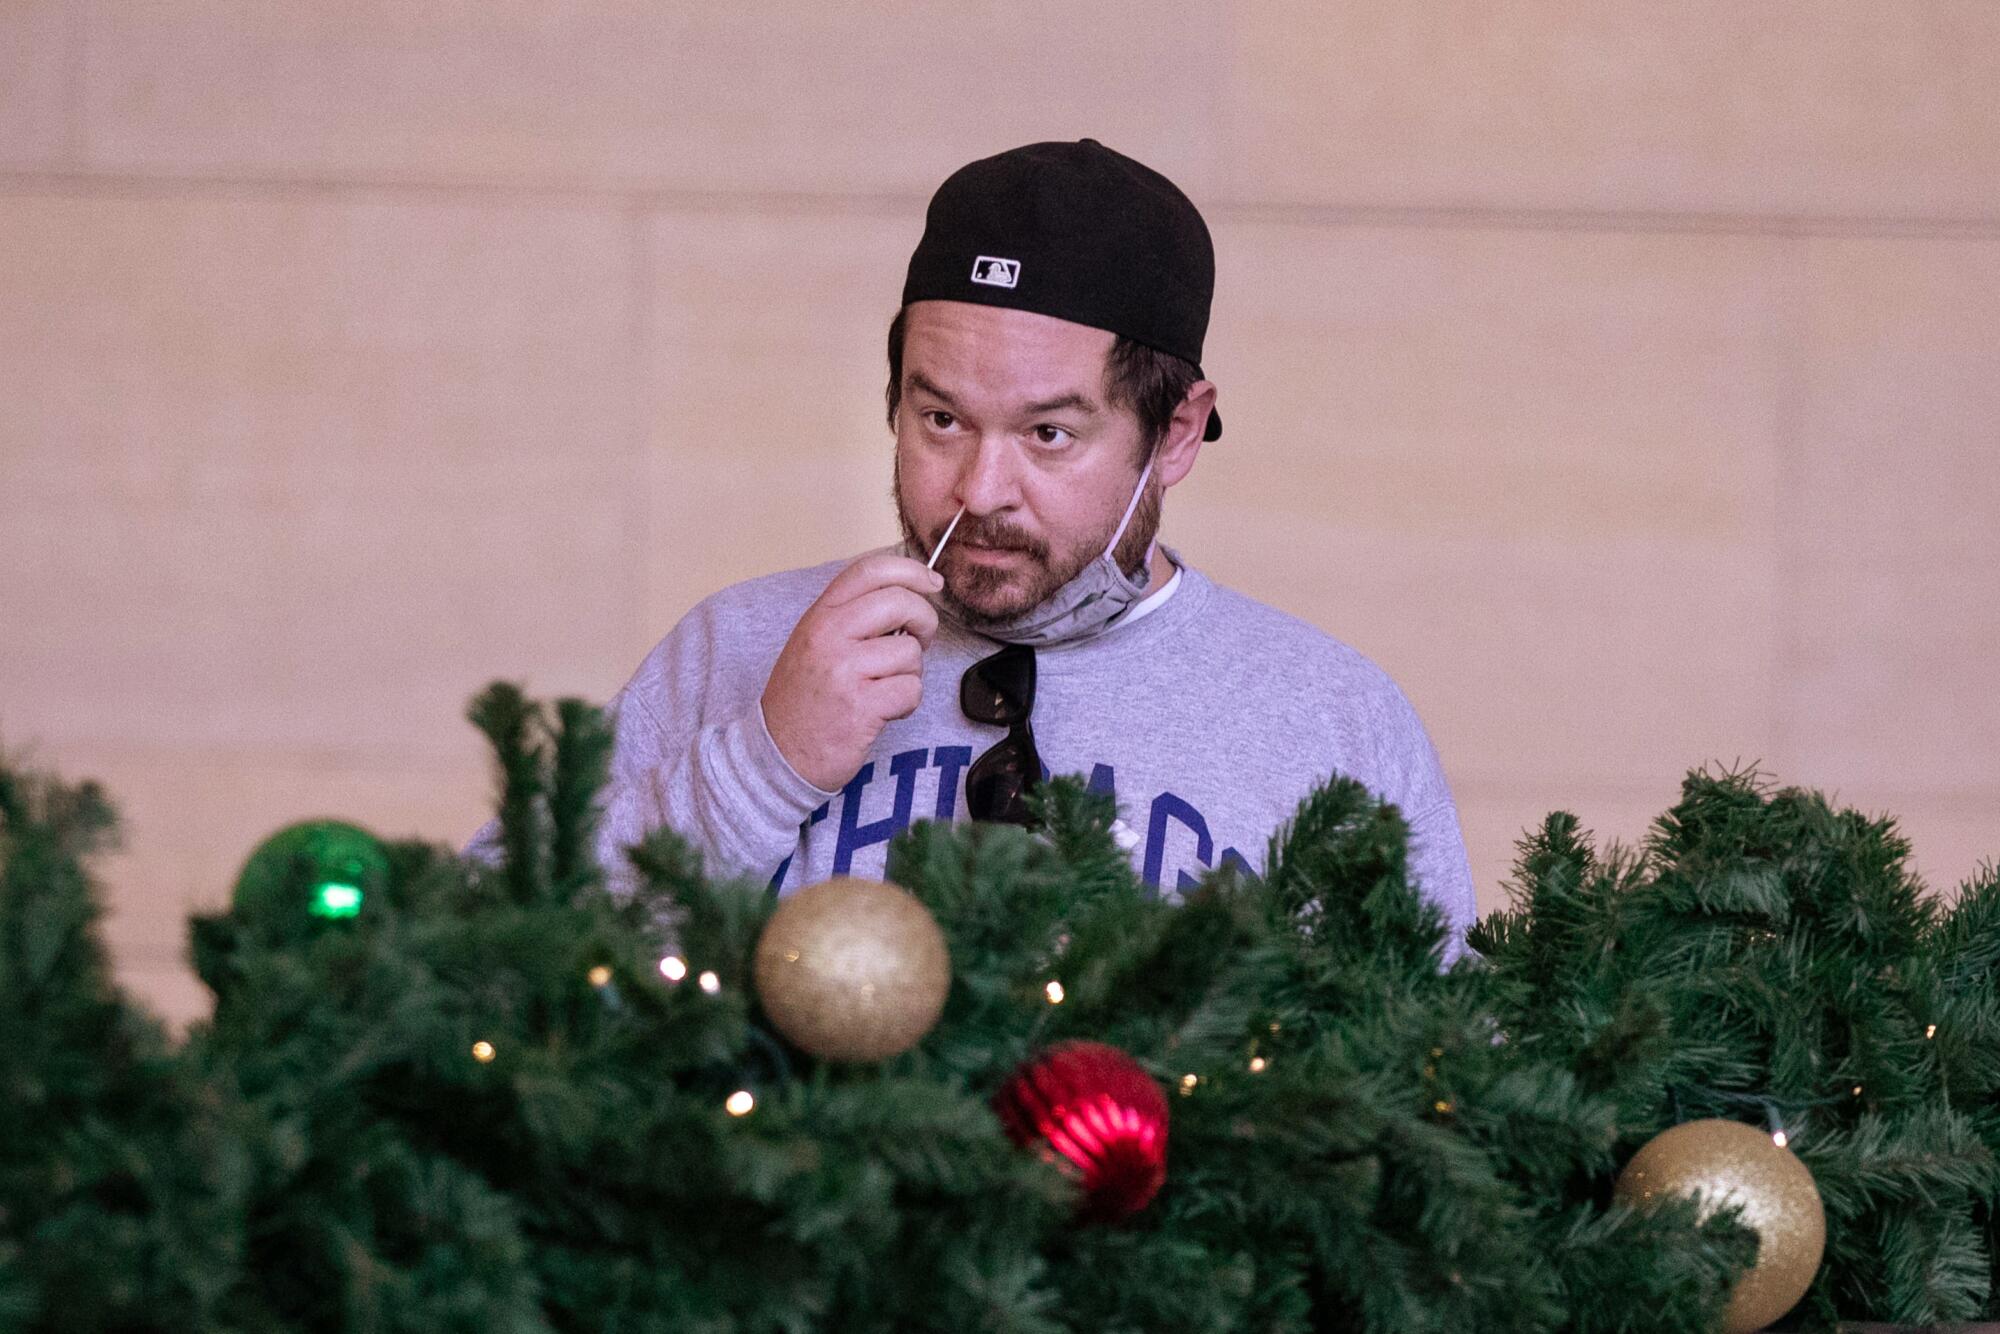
(583, 741)
(513, 724)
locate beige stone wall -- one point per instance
(1622, 376)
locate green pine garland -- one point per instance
(109, 1217)
(1769, 958)
(480, 1105)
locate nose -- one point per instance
(988, 483)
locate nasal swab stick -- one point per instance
(938, 550)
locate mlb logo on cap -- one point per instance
(991, 272)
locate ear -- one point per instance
(1182, 442)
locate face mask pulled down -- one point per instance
(1098, 595)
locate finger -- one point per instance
(925, 627)
(887, 610)
(890, 655)
(880, 570)
(895, 696)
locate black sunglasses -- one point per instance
(1000, 691)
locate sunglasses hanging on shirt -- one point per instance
(1000, 692)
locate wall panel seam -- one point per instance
(505, 192)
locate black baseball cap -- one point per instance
(1076, 231)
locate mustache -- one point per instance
(993, 533)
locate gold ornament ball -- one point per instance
(852, 970)
(1725, 1163)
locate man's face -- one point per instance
(1005, 413)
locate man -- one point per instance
(1045, 391)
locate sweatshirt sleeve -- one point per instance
(692, 752)
(725, 787)
(1443, 873)
(1414, 779)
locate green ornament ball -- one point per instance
(316, 871)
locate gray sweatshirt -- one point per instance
(1208, 719)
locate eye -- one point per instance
(1054, 437)
(939, 420)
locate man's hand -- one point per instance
(845, 672)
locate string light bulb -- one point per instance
(1780, 1138)
(1054, 991)
(1930, 1031)
(482, 1052)
(739, 1103)
(600, 976)
(1187, 1084)
(1257, 1064)
(673, 968)
(334, 899)
(709, 982)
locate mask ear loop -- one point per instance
(1131, 508)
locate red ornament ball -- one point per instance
(1098, 1116)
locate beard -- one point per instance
(983, 597)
